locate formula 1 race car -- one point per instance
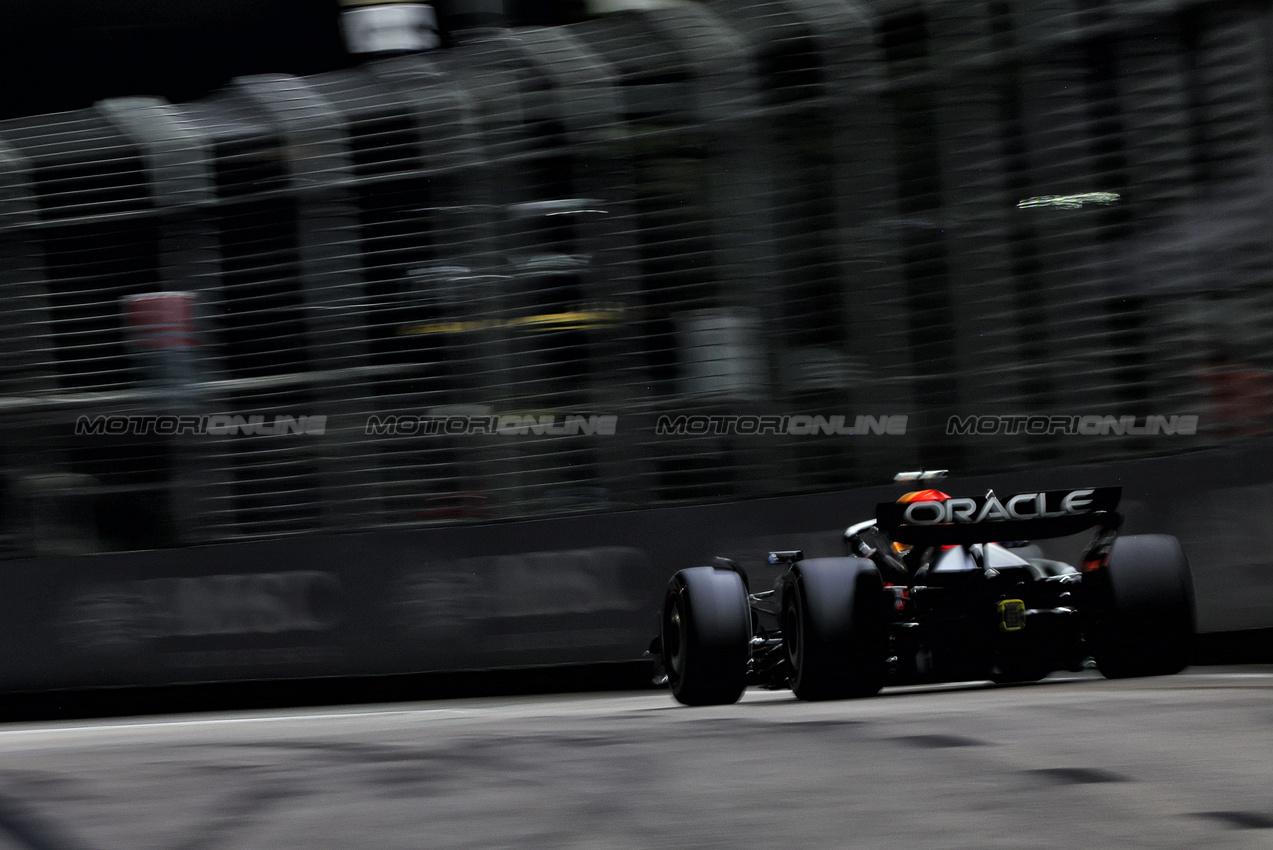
(925, 594)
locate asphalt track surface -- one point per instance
(1075, 761)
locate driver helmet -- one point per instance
(917, 496)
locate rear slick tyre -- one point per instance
(834, 628)
(706, 636)
(1144, 608)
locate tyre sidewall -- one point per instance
(836, 606)
(1143, 619)
(713, 637)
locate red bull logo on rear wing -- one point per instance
(982, 519)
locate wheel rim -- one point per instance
(791, 636)
(676, 639)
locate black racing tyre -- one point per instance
(834, 628)
(1143, 617)
(706, 636)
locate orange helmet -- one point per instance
(923, 496)
(918, 496)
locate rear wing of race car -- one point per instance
(984, 519)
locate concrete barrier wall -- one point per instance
(567, 590)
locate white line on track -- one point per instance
(573, 705)
(1226, 675)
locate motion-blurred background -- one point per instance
(761, 207)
